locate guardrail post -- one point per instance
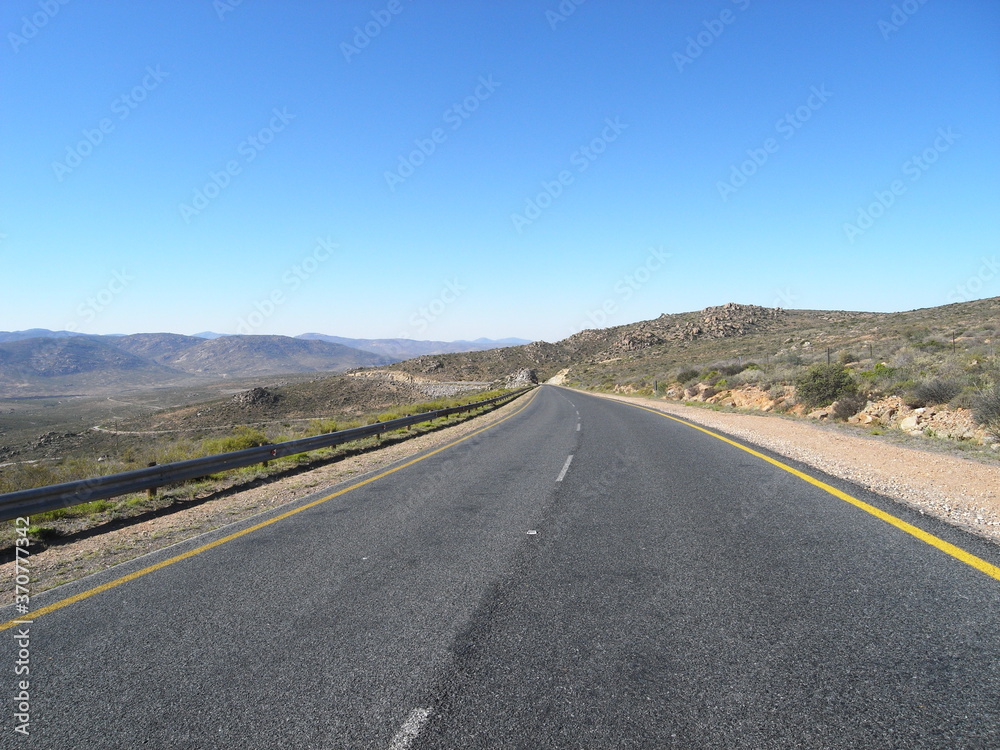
(151, 492)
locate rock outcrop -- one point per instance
(256, 397)
(521, 379)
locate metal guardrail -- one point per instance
(51, 497)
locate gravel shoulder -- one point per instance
(960, 491)
(62, 563)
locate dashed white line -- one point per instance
(577, 426)
(410, 729)
(565, 468)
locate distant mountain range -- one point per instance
(43, 362)
(43, 365)
(400, 349)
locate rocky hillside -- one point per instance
(727, 321)
(654, 349)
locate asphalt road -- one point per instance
(660, 589)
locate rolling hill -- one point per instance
(658, 348)
(88, 364)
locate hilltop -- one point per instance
(658, 349)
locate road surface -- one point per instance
(583, 574)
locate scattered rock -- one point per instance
(636, 340)
(521, 378)
(256, 397)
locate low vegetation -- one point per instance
(170, 448)
(986, 408)
(821, 385)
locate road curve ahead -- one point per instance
(584, 574)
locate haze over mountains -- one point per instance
(400, 349)
(47, 363)
(44, 362)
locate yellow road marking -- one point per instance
(950, 549)
(211, 545)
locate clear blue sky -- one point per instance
(622, 122)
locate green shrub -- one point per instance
(986, 409)
(900, 387)
(847, 406)
(934, 391)
(42, 533)
(880, 372)
(729, 370)
(686, 375)
(966, 399)
(320, 427)
(241, 439)
(821, 385)
(930, 345)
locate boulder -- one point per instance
(521, 378)
(256, 397)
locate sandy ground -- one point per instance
(62, 563)
(958, 490)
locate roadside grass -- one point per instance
(51, 525)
